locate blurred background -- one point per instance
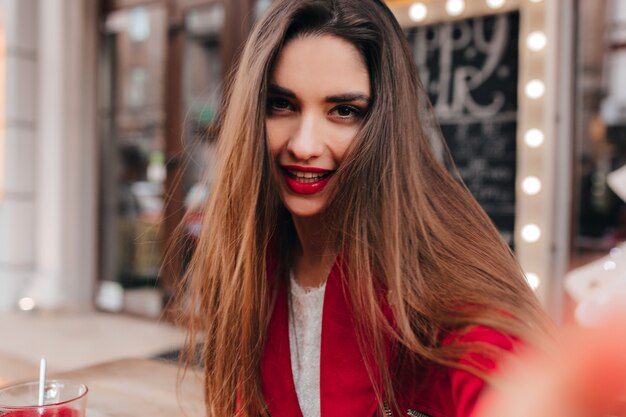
(106, 109)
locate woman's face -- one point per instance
(319, 94)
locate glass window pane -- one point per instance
(203, 75)
(133, 163)
(601, 129)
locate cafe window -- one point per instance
(203, 75)
(163, 65)
(600, 223)
(133, 171)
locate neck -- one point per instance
(316, 254)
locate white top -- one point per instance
(305, 336)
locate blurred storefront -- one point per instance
(163, 67)
(530, 94)
(596, 281)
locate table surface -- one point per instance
(140, 388)
(13, 369)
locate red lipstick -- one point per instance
(306, 180)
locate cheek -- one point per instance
(274, 136)
(344, 139)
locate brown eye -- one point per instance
(278, 105)
(346, 112)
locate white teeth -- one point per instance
(307, 177)
(308, 180)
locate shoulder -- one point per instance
(484, 349)
(454, 391)
(479, 338)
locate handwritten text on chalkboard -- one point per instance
(469, 69)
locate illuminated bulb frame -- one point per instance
(533, 280)
(535, 89)
(454, 12)
(535, 154)
(536, 41)
(495, 4)
(531, 233)
(534, 138)
(423, 12)
(531, 185)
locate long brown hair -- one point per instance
(402, 222)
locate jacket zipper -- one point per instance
(414, 413)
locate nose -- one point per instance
(307, 143)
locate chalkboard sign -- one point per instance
(469, 69)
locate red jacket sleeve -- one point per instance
(466, 387)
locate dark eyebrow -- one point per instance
(340, 98)
(277, 90)
(348, 97)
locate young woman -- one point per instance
(341, 270)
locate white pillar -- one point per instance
(66, 209)
(18, 19)
(560, 66)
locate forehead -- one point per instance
(321, 65)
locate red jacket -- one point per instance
(345, 387)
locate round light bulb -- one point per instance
(495, 4)
(418, 12)
(26, 304)
(536, 41)
(455, 7)
(531, 185)
(609, 265)
(531, 233)
(533, 280)
(534, 138)
(535, 89)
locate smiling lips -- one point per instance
(306, 180)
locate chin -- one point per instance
(303, 208)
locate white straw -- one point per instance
(42, 381)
